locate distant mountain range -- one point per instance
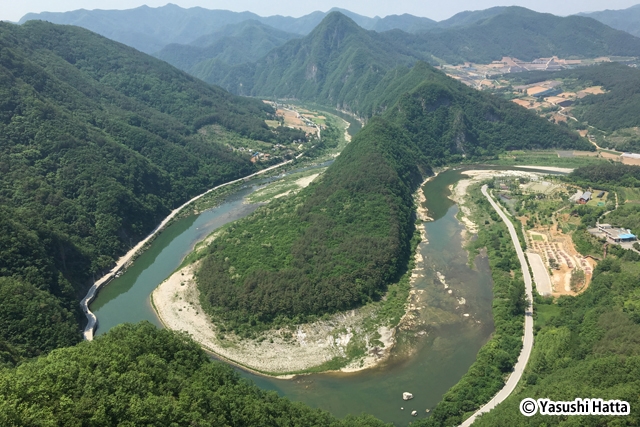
(151, 29)
(241, 51)
(626, 19)
(340, 63)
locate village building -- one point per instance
(617, 235)
(584, 199)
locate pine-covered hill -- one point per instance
(98, 142)
(624, 19)
(340, 242)
(339, 63)
(138, 375)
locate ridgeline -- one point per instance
(98, 142)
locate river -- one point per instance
(427, 360)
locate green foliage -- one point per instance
(626, 216)
(139, 375)
(334, 246)
(589, 348)
(33, 321)
(98, 142)
(340, 243)
(233, 44)
(339, 63)
(525, 34)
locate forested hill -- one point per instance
(616, 109)
(98, 142)
(340, 242)
(141, 376)
(247, 41)
(151, 29)
(339, 63)
(626, 19)
(525, 34)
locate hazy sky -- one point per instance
(13, 10)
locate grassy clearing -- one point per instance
(629, 195)
(286, 185)
(545, 312)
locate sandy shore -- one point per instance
(459, 190)
(548, 168)
(278, 352)
(282, 352)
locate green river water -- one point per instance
(428, 359)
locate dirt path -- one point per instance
(527, 346)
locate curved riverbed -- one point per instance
(429, 357)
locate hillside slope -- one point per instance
(98, 142)
(615, 109)
(151, 29)
(522, 33)
(140, 375)
(625, 19)
(337, 64)
(234, 44)
(340, 242)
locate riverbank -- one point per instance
(280, 353)
(459, 190)
(124, 261)
(346, 342)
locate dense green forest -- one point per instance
(523, 33)
(138, 375)
(607, 175)
(98, 142)
(340, 242)
(613, 110)
(338, 63)
(623, 19)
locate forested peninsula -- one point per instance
(342, 241)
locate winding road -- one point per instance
(527, 346)
(124, 260)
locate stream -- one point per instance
(429, 357)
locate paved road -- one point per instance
(93, 291)
(528, 323)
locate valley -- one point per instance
(295, 220)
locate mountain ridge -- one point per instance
(98, 142)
